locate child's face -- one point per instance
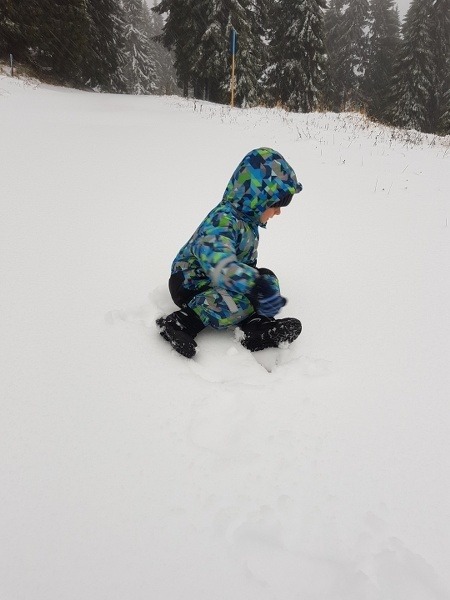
(269, 213)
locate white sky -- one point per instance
(403, 6)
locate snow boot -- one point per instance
(258, 333)
(180, 329)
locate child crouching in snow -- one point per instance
(215, 281)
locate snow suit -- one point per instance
(214, 272)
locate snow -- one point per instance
(314, 472)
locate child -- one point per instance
(215, 281)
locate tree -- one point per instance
(165, 73)
(61, 39)
(440, 35)
(138, 67)
(71, 40)
(298, 56)
(444, 120)
(20, 23)
(334, 45)
(419, 99)
(51, 35)
(11, 33)
(353, 51)
(180, 34)
(209, 55)
(197, 31)
(105, 42)
(101, 44)
(384, 40)
(247, 18)
(414, 79)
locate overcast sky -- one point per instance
(403, 6)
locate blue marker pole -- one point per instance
(233, 63)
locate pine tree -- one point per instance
(19, 26)
(297, 72)
(72, 40)
(353, 51)
(138, 69)
(148, 32)
(444, 121)
(62, 38)
(334, 46)
(11, 36)
(420, 98)
(414, 81)
(50, 34)
(198, 33)
(102, 66)
(181, 34)
(208, 55)
(440, 34)
(384, 40)
(247, 18)
(94, 43)
(165, 72)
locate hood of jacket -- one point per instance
(260, 180)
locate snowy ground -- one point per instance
(130, 473)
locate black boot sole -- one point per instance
(281, 332)
(180, 341)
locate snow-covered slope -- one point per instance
(321, 471)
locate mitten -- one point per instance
(266, 298)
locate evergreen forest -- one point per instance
(302, 55)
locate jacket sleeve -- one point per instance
(215, 250)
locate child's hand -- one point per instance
(267, 299)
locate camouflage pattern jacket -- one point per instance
(222, 252)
